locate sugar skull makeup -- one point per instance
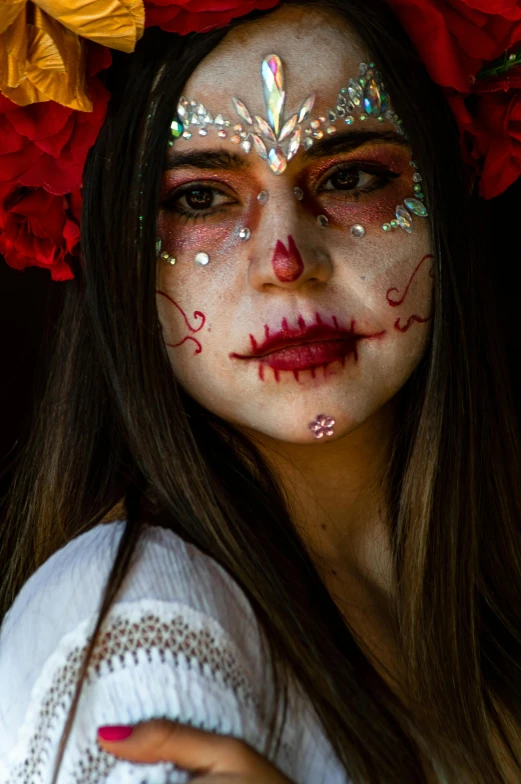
(277, 140)
(313, 304)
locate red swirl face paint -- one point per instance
(414, 318)
(287, 262)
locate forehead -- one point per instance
(317, 48)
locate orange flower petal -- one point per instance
(117, 24)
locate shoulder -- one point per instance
(179, 641)
(69, 586)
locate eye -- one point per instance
(356, 179)
(197, 201)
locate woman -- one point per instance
(280, 355)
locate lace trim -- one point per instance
(173, 635)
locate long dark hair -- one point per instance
(114, 423)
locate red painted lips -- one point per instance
(307, 347)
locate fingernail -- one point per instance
(114, 733)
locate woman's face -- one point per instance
(373, 292)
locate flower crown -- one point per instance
(53, 101)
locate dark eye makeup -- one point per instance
(197, 200)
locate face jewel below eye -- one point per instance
(416, 206)
(404, 219)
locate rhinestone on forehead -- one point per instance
(276, 139)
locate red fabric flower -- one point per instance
(490, 121)
(454, 38)
(39, 229)
(198, 16)
(46, 144)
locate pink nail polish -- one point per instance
(114, 733)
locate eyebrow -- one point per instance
(232, 161)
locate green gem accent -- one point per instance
(170, 144)
(386, 227)
(417, 188)
(416, 206)
(343, 90)
(176, 128)
(420, 195)
(371, 65)
(381, 119)
(363, 117)
(361, 82)
(349, 121)
(394, 224)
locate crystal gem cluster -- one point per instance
(277, 139)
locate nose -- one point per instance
(289, 251)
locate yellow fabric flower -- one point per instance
(41, 53)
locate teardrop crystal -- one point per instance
(416, 206)
(308, 142)
(219, 120)
(242, 111)
(288, 127)
(331, 115)
(246, 145)
(404, 219)
(201, 110)
(277, 160)
(306, 107)
(372, 102)
(265, 129)
(274, 95)
(260, 147)
(294, 144)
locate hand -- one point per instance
(212, 758)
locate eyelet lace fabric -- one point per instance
(152, 659)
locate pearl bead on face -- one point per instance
(202, 259)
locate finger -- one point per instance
(160, 740)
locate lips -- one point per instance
(307, 347)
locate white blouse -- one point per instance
(180, 642)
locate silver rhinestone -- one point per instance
(222, 134)
(170, 260)
(322, 221)
(203, 132)
(298, 193)
(187, 135)
(244, 234)
(417, 177)
(263, 197)
(202, 259)
(165, 255)
(357, 230)
(308, 142)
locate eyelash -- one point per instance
(384, 176)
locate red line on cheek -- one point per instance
(197, 314)
(394, 302)
(287, 263)
(410, 321)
